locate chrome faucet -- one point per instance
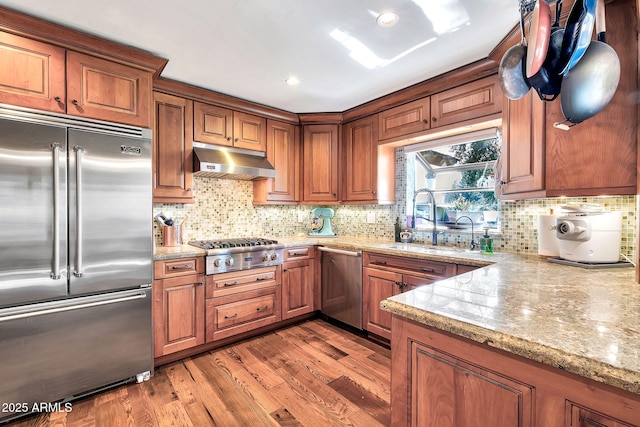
(473, 242)
(434, 219)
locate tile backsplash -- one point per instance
(224, 208)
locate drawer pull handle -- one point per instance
(258, 279)
(428, 270)
(262, 308)
(232, 316)
(297, 253)
(230, 284)
(380, 263)
(181, 267)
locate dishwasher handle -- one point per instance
(340, 251)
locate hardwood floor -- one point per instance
(311, 374)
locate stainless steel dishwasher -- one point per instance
(342, 285)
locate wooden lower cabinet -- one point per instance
(178, 305)
(440, 379)
(298, 288)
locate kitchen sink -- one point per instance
(426, 248)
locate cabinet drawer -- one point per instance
(420, 267)
(178, 267)
(241, 281)
(303, 252)
(238, 313)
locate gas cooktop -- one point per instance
(245, 243)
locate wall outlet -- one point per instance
(371, 218)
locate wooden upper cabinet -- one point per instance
(283, 152)
(405, 119)
(106, 90)
(249, 131)
(523, 146)
(222, 126)
(595, 157)
(212, 124)
(320, 163)
(369, 168)
(32, 73)
(470, 101)
(172, 149)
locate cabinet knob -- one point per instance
(200, 283)
(503, 182)
(228, 138)
(237, 139)
(189, 189)
(57, 99)
(433, 119)
(74, 102)
(425, 121)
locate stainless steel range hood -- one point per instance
(230, 163)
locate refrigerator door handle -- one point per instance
(69, 305)
(78, 268)
(55, 263)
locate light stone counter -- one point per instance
(174, 252)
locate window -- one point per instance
(460, 172)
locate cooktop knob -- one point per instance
(264, 258)
(229, 261)
(217, 262)
(274, 256)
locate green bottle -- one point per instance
(397, 228)
(486, 243)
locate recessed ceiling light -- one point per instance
(292, 81)
(387, 19)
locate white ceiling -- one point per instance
(247, 48)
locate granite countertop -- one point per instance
(583, 321)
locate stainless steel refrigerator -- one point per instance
(75, 257)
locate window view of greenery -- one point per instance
(462, 178)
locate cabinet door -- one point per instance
(283, 152)
(446, 391)
(523, 145)
(109, 91)
(297, 288)
(172, 151)
(405, 119)
(467, 102)
(178, 313)
(581, 417)
(249, 132)
(377, 286)
(213, 125)
(361, 168)
(320, 153)
(32, 74)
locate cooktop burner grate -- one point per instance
(232, 243)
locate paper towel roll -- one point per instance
(547, 240)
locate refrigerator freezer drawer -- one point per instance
(58, 350)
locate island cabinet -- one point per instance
(298, 281)
(440, 379)
(368, 168)
(283, 152)
(595, 157)
(471, 101)
(178, 305)
(222, 126)
(388, 275)
(321, 172)
(39, 75)
(172, 149)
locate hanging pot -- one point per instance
(591, 84)
(538, 40)
(577, 33)
(512, 68)
(547, 81)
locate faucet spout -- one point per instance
(434, 219)
(473, 242)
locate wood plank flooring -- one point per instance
(310, 374)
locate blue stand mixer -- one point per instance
(321, 223)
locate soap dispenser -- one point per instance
(486, 242)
